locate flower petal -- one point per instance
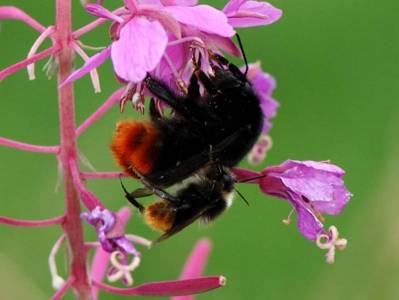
(308, 223)
(319, 182)
(139, 49)
(251, 13)
(89, 65)
(264, 84)
(168, 288)
(203, 17)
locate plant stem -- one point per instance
(73, 225)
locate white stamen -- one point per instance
(45, 34)
(171, 66)
(122, 271)
(93, 73)
(56, 280)
(287, 221)
(139, 240)
(331, 242)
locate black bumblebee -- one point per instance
(206, 136)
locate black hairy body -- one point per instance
(222, 125)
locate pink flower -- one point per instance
(141, 34)
(312, 188)
(110, 230)
(244, 13)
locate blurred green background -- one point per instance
(337, 68)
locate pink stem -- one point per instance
(24, 63)
(111, 101)
(73, 225)
(102, 175)
(167, 288)
(89, 27)
(87, 197)
(14, 13)
(28, 147)
(62, 291)
(32, 223)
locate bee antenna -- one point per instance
(242, 197)
(251, 179)
(243, 54)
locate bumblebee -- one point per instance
(206, 136)
(206, 198)
(222, 125)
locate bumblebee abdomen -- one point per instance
(135, 145)
(160, 216)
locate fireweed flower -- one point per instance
(312, 188)
(110, 230)
(157, 37)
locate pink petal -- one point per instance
(139, 49)
(195, 264)
(168, 288)
(14, 13)
(99, 268)
(204, 18)
(251, 13)
(89, 65)
(163, 17)
(179, 2)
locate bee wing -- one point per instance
(141, 192)
(177, 228)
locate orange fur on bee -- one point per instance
(134, 145)
(159, 216)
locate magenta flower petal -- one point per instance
(99, 268)
(311, 187)
(264, 85)
(204, 18)
(242, 13)
(308, 223)
(139, 49)
(319, 182)
(110, 229)
(168, 288)
(89, 65)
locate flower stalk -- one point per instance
(73, 225)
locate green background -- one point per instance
(337, 68)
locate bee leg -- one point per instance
(159, 192)
(131, 198)
(206, 81)
(154, 112)
(194, 88)
(165, 94)
(232, 68)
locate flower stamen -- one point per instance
(287, 221)
(330, 241)
(56, 280)
(121, 270)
